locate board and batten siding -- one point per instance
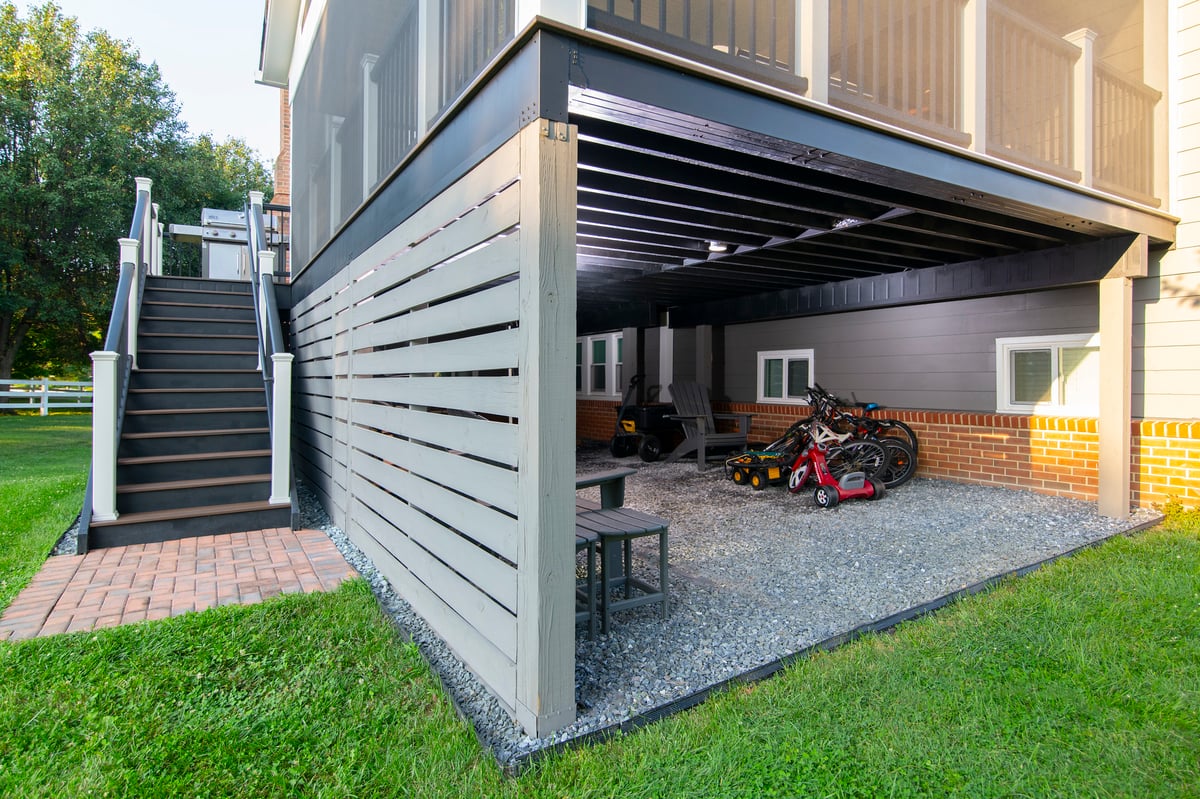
(1166, 322)
(434, 416)
(938, 356)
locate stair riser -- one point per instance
(177, 422)
(191, 444)
(238, 299)
(119, 535)
(196, 360)
(180, 400)
(224, 342)
(192, 470)
(165, 307)
(198, 284)
(198, 326)
(184, 379)
(145, 501)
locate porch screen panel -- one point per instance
(354, 114)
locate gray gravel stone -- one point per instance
(760, 575)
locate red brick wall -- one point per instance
(1050, 455)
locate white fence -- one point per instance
(45, 395)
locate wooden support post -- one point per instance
(281, 428)
(812, 47)
(104, 435)
(1082, 119)
(1116, 378)
(545, 663)
(974, 73)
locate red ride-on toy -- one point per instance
(851, 458)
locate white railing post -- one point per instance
(281, 427)
(370, 123)
(812, 47)
(145, 184)
(155, 267)
(104, 435)
(129, 255)
(974, 73)
(45, 409)
(1084, 103)
(264, 266)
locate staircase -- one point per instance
(194, 457)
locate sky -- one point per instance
(207, 53)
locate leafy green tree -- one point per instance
(82, 116)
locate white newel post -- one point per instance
(144, 246)
(281, 428)
(1083, 80)
(370, 123)
(104, 435)
(974, 97)
(155, 243)
(129, 255)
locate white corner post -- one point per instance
(1083, 128)
(545, 662)
(129, 255)
(974, 99)
(155, 267)
(104, 435)
(281, 428)
(1116, 379)
(812, 47)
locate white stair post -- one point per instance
(129, 255)
(1082, 122)
(104, 435)
(281, 428)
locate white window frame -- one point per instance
(785, 356)
(613, 367)
(1005, 347)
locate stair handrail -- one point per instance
(274, 360)
(140, 252)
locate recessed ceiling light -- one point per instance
(718, 246)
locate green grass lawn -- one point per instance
(1082, 679)
(43, 474)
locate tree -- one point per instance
(81, 117)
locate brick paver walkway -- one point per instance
(107, 587)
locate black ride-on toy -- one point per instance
(644, 429)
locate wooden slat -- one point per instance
(491, 484)
(485, 525)
(492, 666)
(495, 216)
(495, 306)
(496, 260)
(476, 353)
(489, 177)
(495, 441)
(492, 395)
(484, 570)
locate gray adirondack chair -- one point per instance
(693, 409)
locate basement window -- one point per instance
(598, 365)
(784, 376)
(1048, 375)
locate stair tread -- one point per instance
(204, 482)
(226, 431)
(164, 371)
(177, 353)
(160, 411)
(188, 513)
(194, 456)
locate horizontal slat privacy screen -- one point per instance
(409, 399)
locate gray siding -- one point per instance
(938, 357)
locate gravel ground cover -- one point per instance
(756, 576)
